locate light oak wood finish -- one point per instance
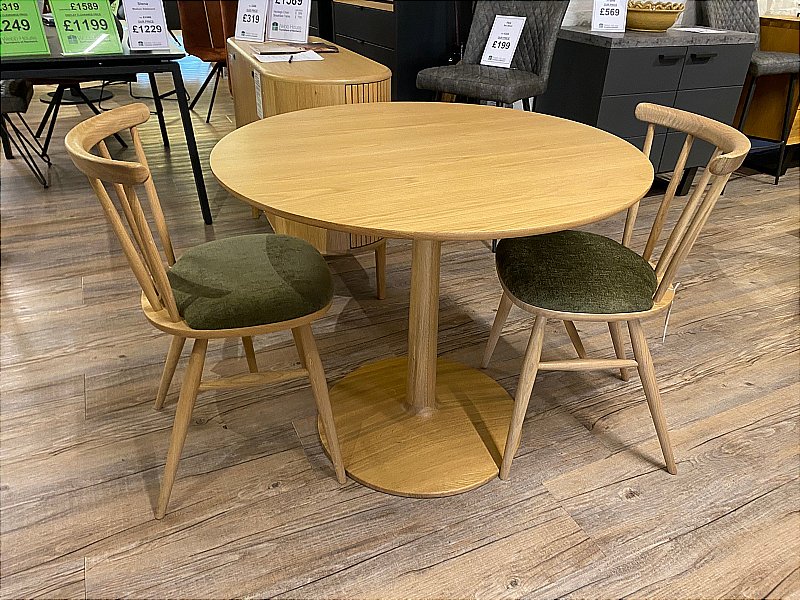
(343, 77)
(731, 148)
(386, 6)
(256, 511)
(158, 301)
(404, 153)
(765, 117)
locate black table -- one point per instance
(107, 67)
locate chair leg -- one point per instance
(250, 353)
(173, 356)
(319, 386)
(747, 102)
(213, 95)
(575, 339)
(526, 104)
(648, 376)
(203, 87)
(183, 415)
(787, 126)
(56, 104)
(5, 140)
(527, 377)
(380, 270)
(497, 328)
(619, 346)
(298, 342)
(494, 246)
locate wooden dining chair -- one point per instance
(230, 288)
(580, 276)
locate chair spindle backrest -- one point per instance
(137, 239)
(731, 148)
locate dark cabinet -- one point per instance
(405, 35)
(598, 79)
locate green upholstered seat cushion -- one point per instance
(576, 271)
(250, 280)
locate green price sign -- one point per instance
(86, 27)
(21, 30)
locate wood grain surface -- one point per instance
(439, 171)
(589, 512)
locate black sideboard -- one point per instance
(599, 78)
(405, 35)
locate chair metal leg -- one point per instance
(48, 113)
(747, 102)
(159, 109)
(5, 141)
(526, 104)
(25, 147)
(56, 104)
(787, 125)
(648, 376)
(527, 377)
(203, 87)
(213, 95)
(183, 416)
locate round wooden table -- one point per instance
(429, 172)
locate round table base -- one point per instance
(456, 448)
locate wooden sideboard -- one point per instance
(765, 117)
(599, 78)
(340, 78)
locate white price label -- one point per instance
(147, 25)
(251, 20)
(609, 15)
(502, 43)
(288, 20)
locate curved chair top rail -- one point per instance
(88, 134)
(733, 144)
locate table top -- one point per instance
(339, 68)
(57, 60)
(436, 171)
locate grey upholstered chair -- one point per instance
(742, 15)
(530, 68)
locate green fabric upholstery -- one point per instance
(576, 271)
(250, 280)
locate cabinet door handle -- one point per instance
(703, 56)
(669, 58)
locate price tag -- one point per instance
(86, 27)
(251, 20)
(609, 15)
(21, 30)
(502, 43)
(147, 25)
(288, 20)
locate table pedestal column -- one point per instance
(419, 426)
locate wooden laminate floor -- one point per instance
(256, 511)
